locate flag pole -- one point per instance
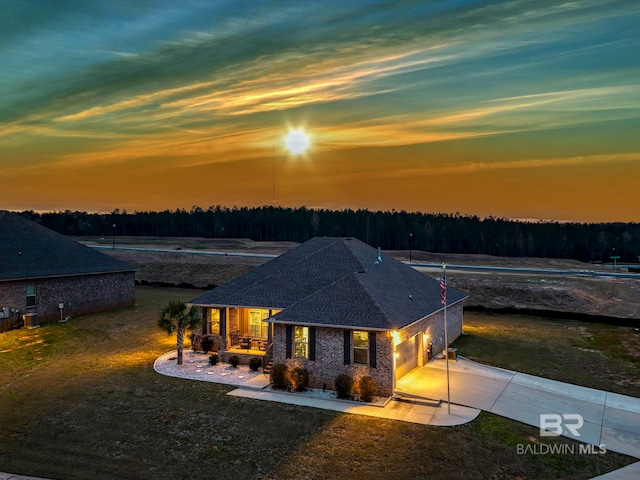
(443, 287)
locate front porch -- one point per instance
(241, 331)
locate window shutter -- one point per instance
(289, 338)
(347, 347)
(205, 321)
(372, 349)
(312, 343)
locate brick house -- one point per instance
(332, 306)
(46, 276)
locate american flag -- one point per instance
(443, 289)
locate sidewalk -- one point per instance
(425, 414)
(254, 385)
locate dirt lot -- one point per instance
(597, 296)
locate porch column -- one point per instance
(270, 330)
(223, 328)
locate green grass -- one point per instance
(80, 400)
(594, 355)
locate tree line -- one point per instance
(390, 230)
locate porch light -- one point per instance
(396, 355)
(396, 337)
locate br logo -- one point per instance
(553, 424)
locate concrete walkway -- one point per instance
(426, 413)
(253, 385)
(610, 419)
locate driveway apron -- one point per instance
(610, 419)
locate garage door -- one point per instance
(407, 356)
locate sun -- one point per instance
(297, 141)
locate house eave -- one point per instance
(274, 320)
(432, 313)
(48, 277)
(226, 305)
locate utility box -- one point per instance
(451, 354)
(30, 320)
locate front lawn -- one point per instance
(80, 400)
(606, 357)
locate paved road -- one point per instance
(520, 271)
(188, 252)
(434, 266)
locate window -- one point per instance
(258, 328)
(361, 348)
(214, 321)
(31, 295)
(301, 342)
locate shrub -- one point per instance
(207, 344)
(255, 363)
(214, 359)
(234, 361)
(344, 385)
(193, 340)
(367, 388)
(300, 379)
(278, 376)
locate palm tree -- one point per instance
(177, 318)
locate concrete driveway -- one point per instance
(610, 419)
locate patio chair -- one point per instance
(245, 342)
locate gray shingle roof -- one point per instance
(29, 250)
(335, 282)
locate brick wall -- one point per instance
(433, 326)
(329, 361)
(81, 295)
(234, 320)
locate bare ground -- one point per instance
(597, 296)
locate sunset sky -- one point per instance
(525, 109)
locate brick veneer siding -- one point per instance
(81, 295)
(433, 325)
(234, 320)
(329, 361)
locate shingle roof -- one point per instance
(29, 250)
(335, 282)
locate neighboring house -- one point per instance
(45, 276)
(333, 306)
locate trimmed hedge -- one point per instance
(344, 386)
(255, 363)
(279, 376)
(299, 379)
(367, 388)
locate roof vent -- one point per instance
(379, 259)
